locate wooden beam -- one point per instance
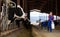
(56, 9)
(25, 5)
(18, 2)
(0, 5)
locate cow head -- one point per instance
(16, 12)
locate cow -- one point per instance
(14, 13)
(17, 12)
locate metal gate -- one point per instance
(4, 23)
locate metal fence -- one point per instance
(4, 26)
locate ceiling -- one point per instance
(45, 5)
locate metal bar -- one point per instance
(4, 12)
(4, 20)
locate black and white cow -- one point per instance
(15, 13)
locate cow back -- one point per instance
(18, 12)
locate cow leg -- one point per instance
(17, 23)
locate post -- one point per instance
(0, 16)
(56, 10)
(18, 2)
(0, 5)
(25, 5)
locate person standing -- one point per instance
(51, 18)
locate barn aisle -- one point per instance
(19, 33)
(45, 33)
(22, 32)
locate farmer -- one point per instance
(51, 18)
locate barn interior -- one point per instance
(33, 31)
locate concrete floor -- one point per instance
(45, 33)
(35, 32)
(19, 33)
(22, 32)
